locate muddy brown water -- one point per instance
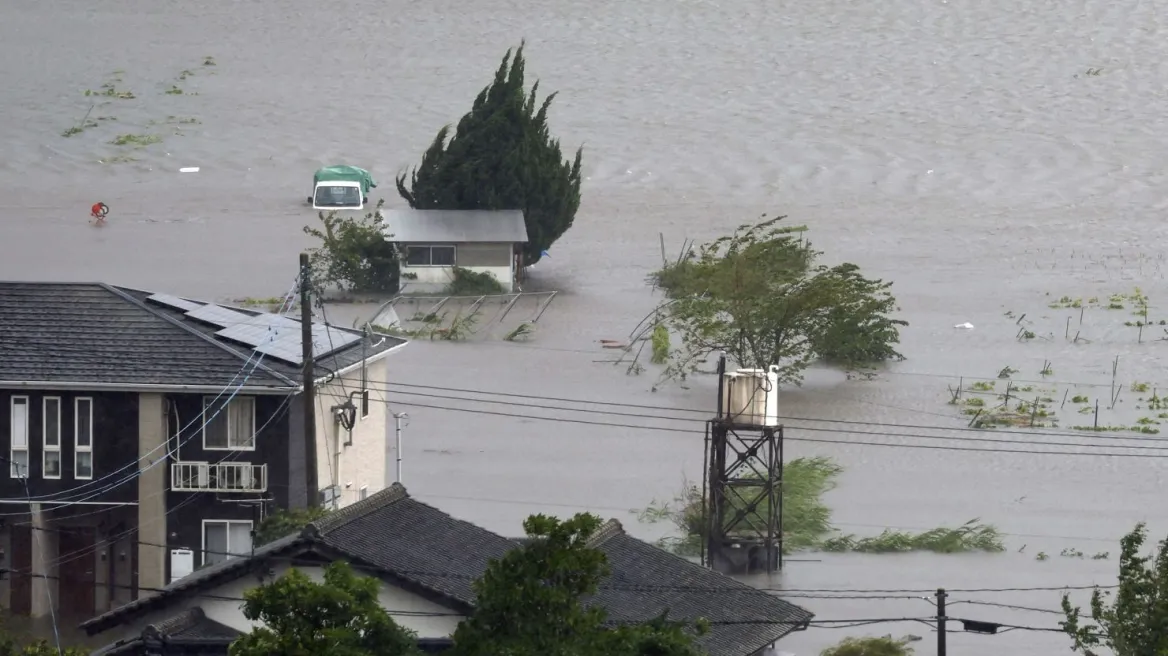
(980, 154)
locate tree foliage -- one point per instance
(10, 647)
(286, 522)
(759, 296)
(502, 157)
(885, 646)
(354, 254)
(530, 603)
(1135, 621)
(341, 617)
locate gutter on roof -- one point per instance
(137, 387)
(324, 380)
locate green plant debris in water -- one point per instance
(139, 140)
(807, 519)
(660, 341)
(174, 90)
(521, 332)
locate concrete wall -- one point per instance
(361, 463)
(152, 434)
(229, 613)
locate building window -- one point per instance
(223, 539)
(230, 428)
(51, 433)
(429, 256)
(18, 462)
(364, 492)
(83, 438)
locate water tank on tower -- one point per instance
(750, 397)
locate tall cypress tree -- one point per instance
(502, 157)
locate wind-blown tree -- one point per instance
(529, 603)
(759, 296)
(1135, 621)
(502, 157)
(340, 616)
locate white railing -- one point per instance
(220, 477)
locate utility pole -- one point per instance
(397, 418)
(941, 621)
(309, 396)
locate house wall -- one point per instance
(219, 605)
(493, 258)
(187, 510)
(115, 446)
(104, 504)
(361, 463)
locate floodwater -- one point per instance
(988, 157)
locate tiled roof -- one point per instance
(96, 335)
(191, 625)
(646, 580)
(440, 555)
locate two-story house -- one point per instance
(143, 436)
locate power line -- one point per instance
(708, 413)
(806, 428)
(808, 439)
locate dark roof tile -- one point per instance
(95, 334)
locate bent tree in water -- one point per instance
(759, 296)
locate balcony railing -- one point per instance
(219, 477)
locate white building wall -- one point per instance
(225, 610)
(362, 464)
(433, 278)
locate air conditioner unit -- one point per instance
(182, 563)
(750, 397)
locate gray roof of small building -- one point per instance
(94, 335)
(438, 555)
(191, 625)
(455, 226)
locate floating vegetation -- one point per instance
(971, 536)
(1041, 556)
(137, 140)
(174, 90)
(1103, 555)
(208, 61)
(660, 339)
(185, 74)
(1071, 553)
(111, 90)
(807, 520)
(520, 333)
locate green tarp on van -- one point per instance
(346, 174)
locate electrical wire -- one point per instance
(788, 438)
(804, 428)
(387, 387)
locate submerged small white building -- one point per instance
(434, 243)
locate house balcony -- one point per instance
(218, 477)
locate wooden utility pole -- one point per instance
(941, 619)
(309, 395)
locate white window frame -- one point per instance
(207, 416)
(13, 468)
(49, 448)
(78, 447)
(430, 247)
(227, 526)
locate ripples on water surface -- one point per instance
(960, 148)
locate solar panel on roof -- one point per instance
(287, 345)
(287, 350)
(217, 315)
(260, 329)
(173, 302)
